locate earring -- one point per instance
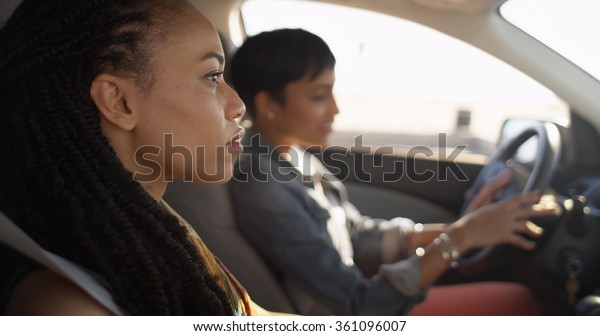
(271, 116)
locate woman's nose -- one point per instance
(235, 107)
(334, 107)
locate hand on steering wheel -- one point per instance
(489, 191)
(501, 223)
(490, 183)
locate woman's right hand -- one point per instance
(499, 223)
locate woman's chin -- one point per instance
(315, 144)
(217, 176)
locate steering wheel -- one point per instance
(546, 158)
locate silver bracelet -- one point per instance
(447, 249)
(419, 250)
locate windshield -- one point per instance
(569, 27)
(401, 83)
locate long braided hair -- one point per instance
(61, 181)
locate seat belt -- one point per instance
(13, 236)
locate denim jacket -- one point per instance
(325, 253)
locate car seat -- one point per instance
(209, 210)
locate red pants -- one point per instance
(478, 299)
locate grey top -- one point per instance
(327, 256)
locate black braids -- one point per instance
(207, 297)
(36, 50)
(164, 271)
(160, 233)
(41, 167)
(187, 256)
(68, 245)
(35, 166)
(28, 49)
(129, 234)
(142, 257)
(179, 234)
(24, 17)
(187, 284)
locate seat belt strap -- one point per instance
(13, 236)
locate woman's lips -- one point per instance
(235, 144)
(325, 129)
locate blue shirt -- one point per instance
(327, 255)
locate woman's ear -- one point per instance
(110, 94)
(266, 106)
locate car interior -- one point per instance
(387, 173)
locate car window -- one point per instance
(567, 26)
(403, 84)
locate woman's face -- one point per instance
(309, 109)
(189, 114)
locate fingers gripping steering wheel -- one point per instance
(546, 159)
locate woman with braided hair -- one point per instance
(93, 96)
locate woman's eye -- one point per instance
(215, 77)
(319, 98)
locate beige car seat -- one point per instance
(209, 210)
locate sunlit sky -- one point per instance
(386, 58)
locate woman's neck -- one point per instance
(156, 189)
(282, 142)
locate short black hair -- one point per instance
(271, 60)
